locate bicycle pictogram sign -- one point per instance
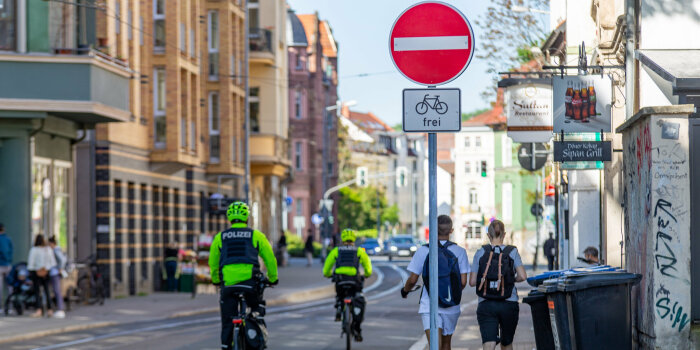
(431, 103)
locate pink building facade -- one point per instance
(313, 82)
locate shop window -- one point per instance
(8, 25)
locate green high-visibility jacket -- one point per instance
(237, 273)
(329, 265)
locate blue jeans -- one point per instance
(170, 270)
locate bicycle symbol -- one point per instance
(423, 106)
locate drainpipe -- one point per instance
(630, 78)
(246, 186)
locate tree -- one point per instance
(345, 171)
(507, 36)
(357, 208)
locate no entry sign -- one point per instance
(431, 43)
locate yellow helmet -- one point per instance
(347, 235)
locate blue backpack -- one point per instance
(449, 278)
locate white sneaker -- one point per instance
(59, 314)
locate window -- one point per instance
(477, 141)
(233, 149)
(507, 151)
(468, 167)
(239, 70)
(232, 66)
(214, 132)
(300, 206)
(213, 44)
(183, 132)
(298, 155)
(507, 202)
(183, 38)
(474, 229)
(193, 136)
(192, 43)
(299, 66)
(473, 196)
(297, 105)
(8, 25)
(159, 123)
(159, 25)
(130, 24)
(330, 168)
(253, 14)
(254, 100)
(117, 17)
(415, 166)
(466, 142)
(141, 31)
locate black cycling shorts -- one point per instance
(496, 317)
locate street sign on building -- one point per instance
(431, 43)
(432, 110)
(525, 154)
(528, 109)
(582, 103)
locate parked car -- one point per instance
(372, 246)
(403, 245)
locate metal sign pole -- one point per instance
(433, 240)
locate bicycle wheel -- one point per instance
(441, 108)
(82, 290)
(421, 108)
(347, 324)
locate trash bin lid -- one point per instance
(584, 280)
(549, 286)
(534, 296)
(537, 280)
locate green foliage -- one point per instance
(391, 214)
(398, 127)
(295, 246)
(369, 233)
(472, 114)
(357, 208)
(345, 170)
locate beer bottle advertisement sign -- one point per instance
(582, 103)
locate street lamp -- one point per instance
(527, 9)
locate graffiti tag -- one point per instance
(674, 313)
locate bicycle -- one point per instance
(253, 335)
(423, 106)
(89, 288)
(346, 308)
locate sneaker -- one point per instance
(59, 314)
(358, 337)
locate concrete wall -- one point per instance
(657, 225)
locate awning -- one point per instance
(676, 72)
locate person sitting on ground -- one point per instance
(343, 263)
(449, 310)
(496, 268)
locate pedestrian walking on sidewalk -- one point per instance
(6, 251)
(40, 261)
(453, 263)
(282, 250)
(550, 251)
(171, 257)
(55, 276)
(309, 249)
(496, 268)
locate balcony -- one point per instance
(269, 155)
(85, 87)
(261, 47)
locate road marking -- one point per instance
(427, 43)
(278, 311)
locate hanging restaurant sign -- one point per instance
(528, 107)
(579, 151)
(582, 103)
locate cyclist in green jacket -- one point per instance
(343, 263)
(233, 261)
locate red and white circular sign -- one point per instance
(431, 43)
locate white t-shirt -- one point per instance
(416, 266)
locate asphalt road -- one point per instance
(390, 323)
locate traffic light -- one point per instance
(483, 168)
(361, 176)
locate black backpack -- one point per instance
(496, 275)
(449, 278)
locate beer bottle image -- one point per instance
(576, 104)
(591, 101)
(584, 103)
(567, 100)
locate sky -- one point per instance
(361, 28)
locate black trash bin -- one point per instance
(591, 310)
(540, 320)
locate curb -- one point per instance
(297, 297)
(65, 329)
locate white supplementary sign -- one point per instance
(529, 112)
(432, 110)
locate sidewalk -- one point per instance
(297, 284)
